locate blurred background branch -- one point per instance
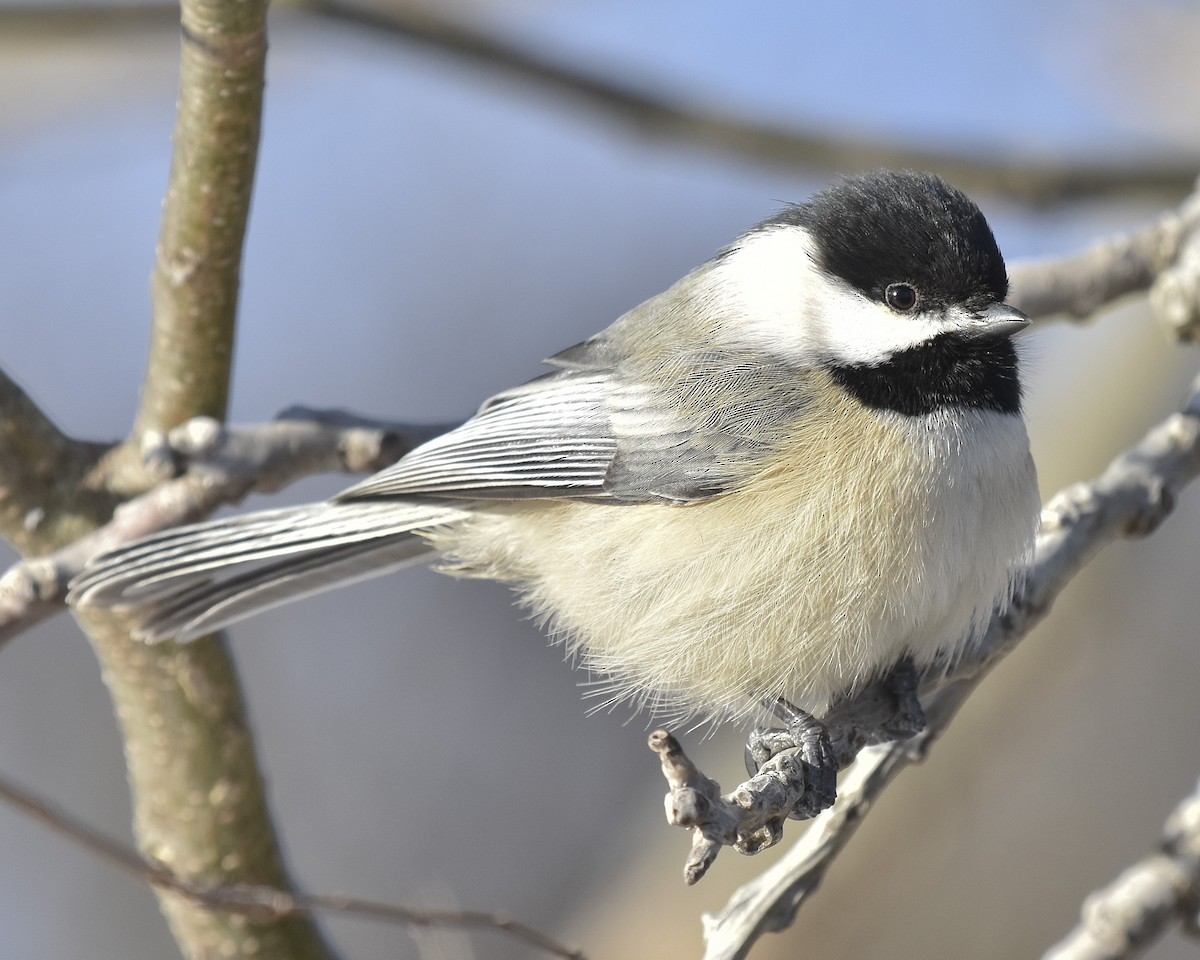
(1160, 891)
(1028, 177)
(258, 901)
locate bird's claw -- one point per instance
(809, 737)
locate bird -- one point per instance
(801, 466)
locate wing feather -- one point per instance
(688, 429)
(550, 437)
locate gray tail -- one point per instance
(192, 580)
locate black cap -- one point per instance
(890, 227)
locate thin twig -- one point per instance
(1130, 499)
(263, 902)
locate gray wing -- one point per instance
(599, 430)
(551, 437)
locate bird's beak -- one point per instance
(998, 320)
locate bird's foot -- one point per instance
(908, 718)
(809, 737)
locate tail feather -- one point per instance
(150, 569)
(209, 606)
(194, 579)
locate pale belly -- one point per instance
(806, 583)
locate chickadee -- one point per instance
(800, 465)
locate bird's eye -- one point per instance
(900, 296)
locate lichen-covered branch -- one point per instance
(752, 817)
(1160, 891)
(1131, 498)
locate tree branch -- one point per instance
(199, 805)
(1130, 499)
(1076, 287)
(29, 440)
(263, 902)
(46, 496)
(200, 810)
(197, 267)
(208, 466)
(1175, 295)
(1158, 892)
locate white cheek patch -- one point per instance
(771, 295)
(861, 331)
